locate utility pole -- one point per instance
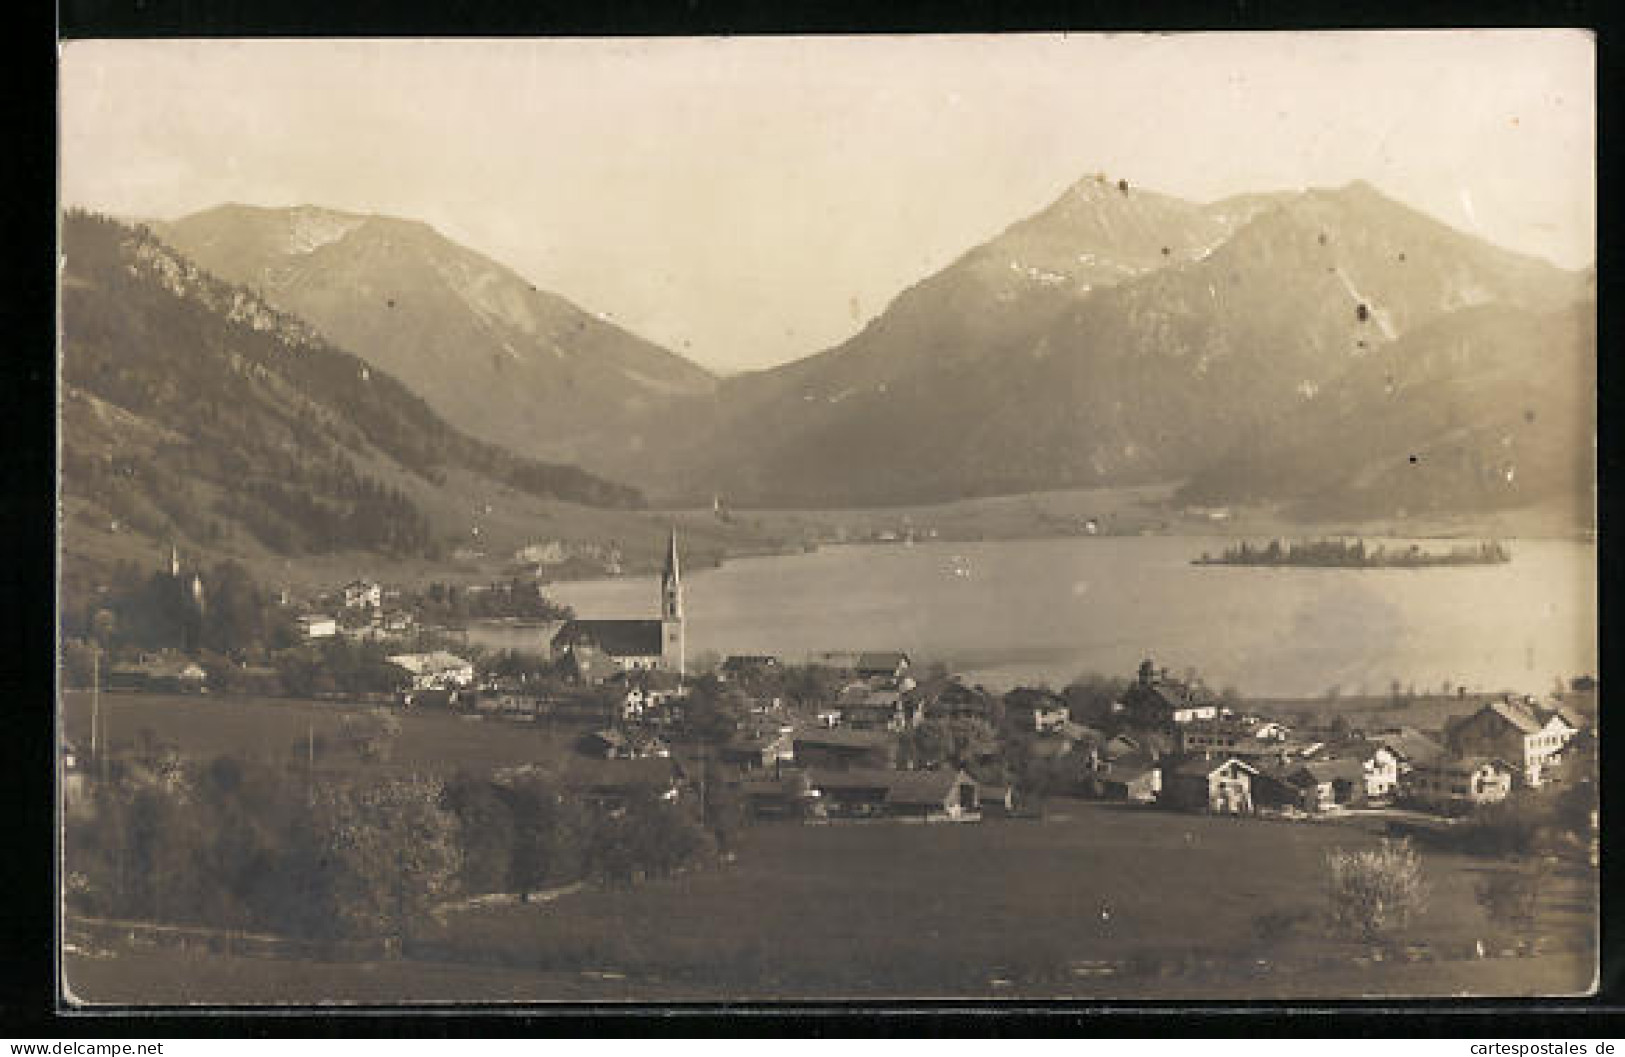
(95, 696)
(310, 761)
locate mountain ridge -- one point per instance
(491, 352)
(194, 411)
(1127, 381)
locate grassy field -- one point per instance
(910, 910)
(997, 910)
(1173, 902)
(276, 729)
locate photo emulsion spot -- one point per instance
(693, 520)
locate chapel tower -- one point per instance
(671, 610)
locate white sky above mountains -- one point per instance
(747, 201)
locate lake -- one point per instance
(1048, 610)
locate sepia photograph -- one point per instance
(995, 518)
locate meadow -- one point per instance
(1096, 901)
(1177, 903)
(278, 729)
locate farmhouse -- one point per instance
(864, 708)
(163, 674)
(846, 749)
(615, 783)
(890, 665)
(363, 594)
(1314, 785)
(789, 796)
(438, 670)
(1158, 700)
(745, 665)
(612, 744)
(644, 691)
(997, 801)
(1410, 748)
(1518, 732)
(1217, 785)
(866, 793)
(317, 626)
(950, 699)
(1378, 764)
(1455, 782)
(1047, 710)
(1136, 779)
(758, 754)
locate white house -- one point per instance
(436, 671)
(1461, 781)
(1523, 734)
(363, 594)
(317, 626)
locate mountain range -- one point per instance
(193, 412)
(1117, 337)
(1332, 352)
(502, 360)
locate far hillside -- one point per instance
(195, 414)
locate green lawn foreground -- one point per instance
(997, 910)
(916, 911)
(883, 910)
(277, 729)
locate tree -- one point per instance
(387, 853)
(78, 663)
(234, 621)
(1375, 891)
(1511, 898)
(371, 735)
(714, 710)
(487, 833)
(1090, 698)
(548, 845)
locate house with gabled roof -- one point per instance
(863, 707)
(881, 664)
(1156, 699)
(1519, 732)
(940, 795)
(1454, 782)
(840, 748)
(1320, 785)
(1215, 785)
(1046, 710)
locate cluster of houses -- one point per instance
(1171, 744)
(361, 609)
(1165, 741)
(1223, 762)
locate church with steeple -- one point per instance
(632, 645)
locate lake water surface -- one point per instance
(1050, 609)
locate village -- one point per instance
(871, 735)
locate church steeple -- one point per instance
(671, 582)
(671, 610)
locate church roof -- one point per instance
(617, 638)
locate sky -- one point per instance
(748, 201)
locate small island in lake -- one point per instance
(1345, 554)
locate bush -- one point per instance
(371, 735)
(1375, 891)
(1510, 899)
